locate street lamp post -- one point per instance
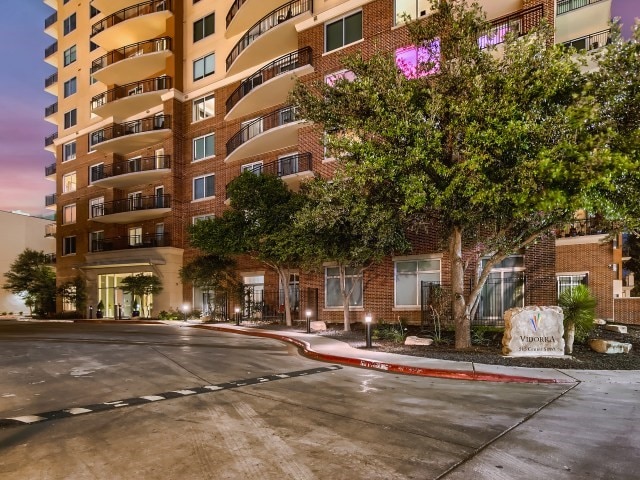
(237, 310)
(308, 312)
(367, 321)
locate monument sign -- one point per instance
(533, 332)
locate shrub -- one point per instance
(387, 331)
(170, 315)
(578, 306)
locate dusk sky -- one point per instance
(23, 100)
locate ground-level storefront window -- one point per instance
(114, 299)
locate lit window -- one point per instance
(96, 207)
(69, 245)
(70, 87)
(414, 8)
(204, 107)
(69, 151)
(69, 182)
(343, 32)
(69, 24)
(204, 66)
(204, 147)
(421, 61)
(69, 214)
(353, 280)
(204, 187)
(409, 275)
(203, 27)
(69, 55)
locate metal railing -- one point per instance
(131, 89)
(131, 204)
(50, 230)
(590, 42)
(266, 23)
(50, 200)
(50, 169)
(279, 66)
(51, 80)
(50, 20)
(128, 13)
(51, 109)
(588, 226)
(51, 49)
(254, 128)
(117, 130)
(147, 240)
(235, 7)
(565, 6)
(48, 141)
(520, 22)
(259, 304)
(123, 167)
(129, 51)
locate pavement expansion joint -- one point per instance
(128, 402)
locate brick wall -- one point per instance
(627, 310)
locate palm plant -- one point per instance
(578, 306)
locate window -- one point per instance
(343, 32)
(69, 55)
(69, 24)
(567, 281)
(96, 172)
(204, 187)
(161, 200)
(204, 107)
(69, 245)
(93, 11)
(255, 167)
(203, 27)
(96, 207)
(202, 218)
(504, 288)
(96, 241)
(69, 151)
(92, 46)
(69, 182)
(135, 201)
(68, 300)
(70, 118)
(204, 147)
(135, 236)
(420, 61)
(70, 87)
(413, 8)
(333, 293)
(409, 275)
(204, 66)
(69, 214)
(95, 138)
(251, 128)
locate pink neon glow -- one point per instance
(332, 78)
(496, 37)
(414, 61)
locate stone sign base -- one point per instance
(533, 332)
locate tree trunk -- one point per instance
(569, 335)
(346, 298)
(284, 281)
(461, 314)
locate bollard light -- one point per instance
(185, 310)
(308, 312)
(237, 310)
(367, 321)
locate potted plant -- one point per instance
(99, 309)
(135, 309)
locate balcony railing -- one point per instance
(117, 130)
(50, 200)
(129, 51)
(50, 20)
(131, 241)
(51, 80)
(235, 7)
(262, 124)
(129, 13)
(565, 6)
(279, 66)
(51, 49)
(50, 170)
(130, 89)
(51, 109)
(130, 205)
(520, 22)
(50, 230)
(273, 19)
(588, 226)
(590, 42)
(123, 167)
(48, 141)
(50, 258)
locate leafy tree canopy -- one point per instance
(31, 277)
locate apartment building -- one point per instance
(161, 103)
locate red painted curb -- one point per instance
(388, 367)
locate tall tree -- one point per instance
(258, 224)
(491, 149)
(141, 286)
(31, 277)
(74, 292)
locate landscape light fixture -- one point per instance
(367, 321)
(308, 312)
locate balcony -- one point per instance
(127, 100)
(135, 209)
(273, 35)
(50, 172)
(123, 138)
(50, 54)
(50, 201)
(270, 85)
(49, 142)
(584, 227)
(50, 111)
(131, 241)
(50, 230)
(51, 84)
(50, 25)
(107, 7)
(565, 6)
(50, 258)
(589, 42)
(132, 24)
(279, 129)
(239, 19)
(132, 62)
(520, 22)
(135, 171)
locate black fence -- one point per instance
(260, 304)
